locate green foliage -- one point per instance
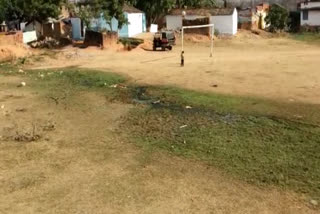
(29, 10)
(294, 21)
(79, 77)
(309, 37)
(102, 9)
(10, 10)
(277, 18)
(131, 43)
(2, 12)
(195, 3)
(154, 9)
(84, 13)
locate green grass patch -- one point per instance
(73, 76)
(260, 141)
(225, 104)
(307, 37)
(66, 84)
(233, 134)
(131, 43)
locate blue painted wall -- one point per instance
(101, 24)
(76, 28)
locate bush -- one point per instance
(294, 22)
(277, 18)
(131, 43)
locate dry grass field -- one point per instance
(159, 138)
(284, 68)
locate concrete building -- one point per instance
(34, 26)
(225, 20)
(254, 18)
(136, 23)
(310, 13)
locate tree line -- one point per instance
(31, 10)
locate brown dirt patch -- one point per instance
(81, 164)
(276, 68)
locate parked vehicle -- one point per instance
(164, 40)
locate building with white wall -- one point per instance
(310, 13)
(225, 20)
(136, 23)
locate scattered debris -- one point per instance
(298, 116)
(56, 99)
(21, 71)
(22, 84)
(156, 102)
(27, 137)
(214, 86)
(6, 113)
(292, 100)
(42, 76)
(184, 126)
(21, 110)
(116, 86)
(50, 126)
(48, 42)
(314, 202)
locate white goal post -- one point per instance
(199, 26)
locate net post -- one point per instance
(212, 35)
(182, 38)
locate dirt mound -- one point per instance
(11, 52)
(116, 46)
(253, 34)
(196, 38)
(147, 45)
(11, 46)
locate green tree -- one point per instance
(40, 9)
(2, 12)
(154, 9)
(277, 18)
(195, 3)
(9, 10)
(29, 10)
(102, 9)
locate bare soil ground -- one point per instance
(69, 158)
(250, 65)
(11, 48)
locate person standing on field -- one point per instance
(182, 59)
